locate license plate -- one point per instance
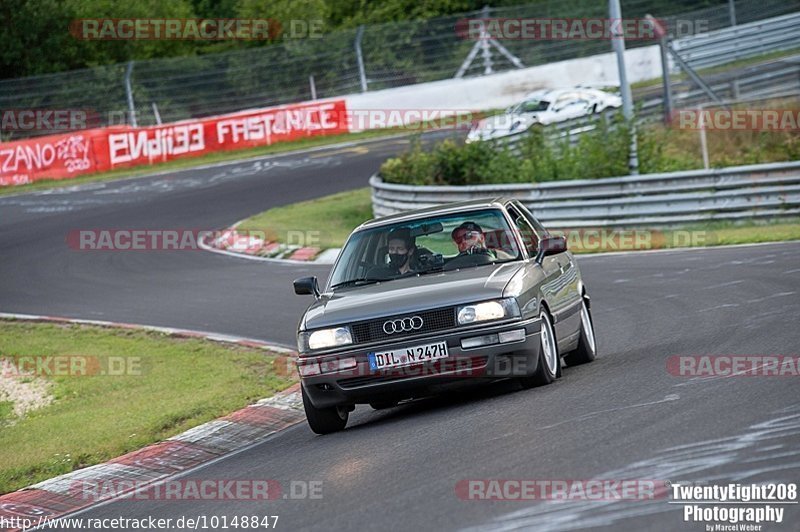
(407, 356)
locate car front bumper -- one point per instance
(462, 366)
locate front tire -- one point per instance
(549, 365)
(587, 344)
(324, 420)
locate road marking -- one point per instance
(724, 305)
(667, 399)
(779, 294)
(358, 150)
(729, 283)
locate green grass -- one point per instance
(182, 383)
(326, 221)
(6, 408)
(332, 218)
(702, 235)
(722, 234)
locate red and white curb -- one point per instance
(248, 246)
(155, 463)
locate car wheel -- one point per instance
(587, 344)
(325, 420)
(549, 365)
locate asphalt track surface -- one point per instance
(622, 417)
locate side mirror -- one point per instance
(306, 286)
(551, 245)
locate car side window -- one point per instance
(529, 238)
(537, 226)
(564, 100)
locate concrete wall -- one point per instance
(506, 88)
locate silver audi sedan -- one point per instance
(421, 302)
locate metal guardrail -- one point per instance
(753, 191)
(738, 42)
(558, 131)
(766, 80)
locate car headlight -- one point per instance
(497, 309)
(324, 338)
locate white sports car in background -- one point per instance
(544, 107)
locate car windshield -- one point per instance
(531, 106)
(425, 245)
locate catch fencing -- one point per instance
(349, 61)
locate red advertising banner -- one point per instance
(97, 150)
(52, 157)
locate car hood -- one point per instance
(412, 294)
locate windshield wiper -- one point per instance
(354, 282)
(438, 269)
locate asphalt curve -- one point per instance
(41, 274)
(622, 417)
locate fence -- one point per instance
(756, 191)
(395, 54)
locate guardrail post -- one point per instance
(313, 87)
(703, 141)
(666, 81)
(156, 114)
(732, 11)
(129, 94)
(618, 42)
(361, 72)
(663, 42)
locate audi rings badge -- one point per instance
(409, 324)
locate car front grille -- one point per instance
(432, 320)
(463, 368)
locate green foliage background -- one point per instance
(35, 38)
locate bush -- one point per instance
(599, 153)
(602, 152)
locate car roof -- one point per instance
(552, 94)
(548, 94)
(447, 208)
